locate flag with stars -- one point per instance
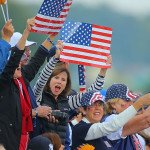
(86, 44)
(51, 16)
(81, 73)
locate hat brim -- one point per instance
(30, 43)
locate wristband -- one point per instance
(36, 113)
(35, 118)
(49, 40)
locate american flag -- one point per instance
(81, 73)
(51, 16)
(86, 44)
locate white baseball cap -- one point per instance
(15, 39)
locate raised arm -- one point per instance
(98, 84)
(32, 68)
(6, 32)
(74, 100)
(46, 73)
(101, 129)
(17, 53)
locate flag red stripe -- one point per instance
(68, 3)
(84, 57)
(45, 26)
(65, 10)
(133, 96)
(102, 34)
(84, 50)
(99, 46)
(48, 20)
(102, 27)
(82, 89)
(96, 97)
(101, 40)
(44, 32)
(63, 16)
(84, 63)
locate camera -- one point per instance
(59, 114)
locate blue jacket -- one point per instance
(4, 53)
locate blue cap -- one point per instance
(120, 91)
(91, 97)
(40, 142)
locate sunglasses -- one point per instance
(18, 68)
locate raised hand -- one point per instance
(108, 63)
(22, 41)
(7, 31)
(142, 101)
(59, 46)
(30, 23)
(109, 60)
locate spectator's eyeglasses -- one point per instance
(98, 103)
(18, 68)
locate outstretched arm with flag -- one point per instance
(74, 101)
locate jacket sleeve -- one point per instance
(74, 100)
(31, 69)
(98, 84)
(4, 53)
(12, 64)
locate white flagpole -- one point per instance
(3, 13)
(7, 13)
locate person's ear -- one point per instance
(113, 106)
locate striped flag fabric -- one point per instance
(81, 73)
(131, 95)
(86, 44)
(51, 16)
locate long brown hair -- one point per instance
(54, 138)
(55, 72)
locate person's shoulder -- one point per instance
(4, 43)
(82, 125)
(72, 92)
(110, 117)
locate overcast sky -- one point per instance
(131, 7)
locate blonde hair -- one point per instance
(109, 103)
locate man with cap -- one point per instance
(118, 98)
(91, 131)
(10, 40)
(13, 42)
(40, 111)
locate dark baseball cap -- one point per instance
(40, 143)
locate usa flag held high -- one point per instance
(81, 73)
(86, 44)
(51, 16)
